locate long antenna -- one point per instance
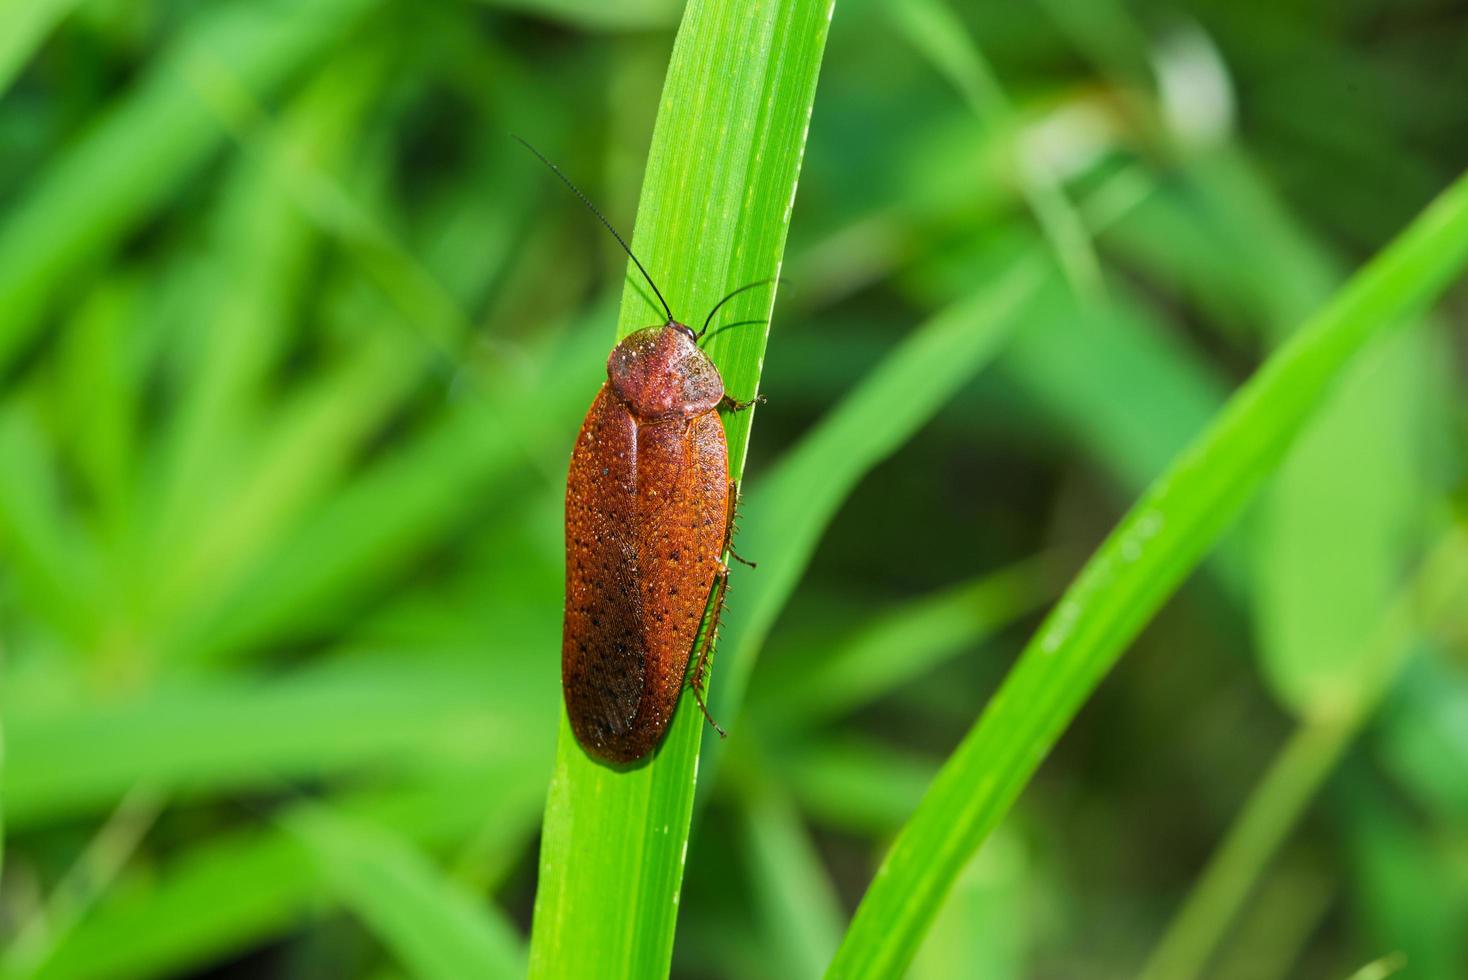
(577, 191)
(751, 285)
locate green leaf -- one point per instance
(1131, 575)
(715, 209)
(437, 929)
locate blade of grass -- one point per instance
(714, 213)
(437, 929)
(1134, 571)
(1317, 590)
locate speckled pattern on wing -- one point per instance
(646, 507)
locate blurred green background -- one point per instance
(294, 343)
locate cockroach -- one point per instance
(649, 514)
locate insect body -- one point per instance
(647, 521)
(648, 516)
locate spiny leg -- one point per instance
(729, 526)
(706, 649)
(731, 404)
(721, 591)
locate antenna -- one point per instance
(602, 218)
(730, 326)
(747, 286)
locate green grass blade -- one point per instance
(436, 928)
(1130, 576)
(714, 214)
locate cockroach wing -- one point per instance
(646, 508)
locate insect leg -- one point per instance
(732, 404)
(706, 649)
(729, 527)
